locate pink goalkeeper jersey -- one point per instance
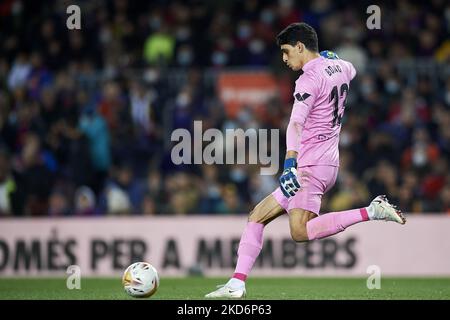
(315, 122)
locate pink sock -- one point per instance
(334, 222)
(249, 248)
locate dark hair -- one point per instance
(299, 31)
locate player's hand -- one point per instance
(329, 54)
(289, 184)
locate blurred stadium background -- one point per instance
(86, 117)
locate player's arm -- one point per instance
(289, 184)
(304, 95)
(291, 154)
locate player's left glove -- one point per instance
(329, 54)
(289, 184)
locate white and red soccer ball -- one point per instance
(140, 280)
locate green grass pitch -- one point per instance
(257, 288)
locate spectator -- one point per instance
(71, 104)
(85, 204)
(351, 193)
(95, 129)
(36, 177)
(58, 204)
(11, 193)
(159, 47)
(231, 202)
(117, 201)
(19, 73)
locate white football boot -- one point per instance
(381, 209)
(226, 291)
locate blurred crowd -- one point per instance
(86, 115)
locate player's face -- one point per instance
(292, 56)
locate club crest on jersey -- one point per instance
(302, 96)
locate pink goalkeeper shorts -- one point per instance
(314, 182)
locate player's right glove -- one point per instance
(329, 54)
(289, 184)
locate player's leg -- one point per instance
(251, 241)
(298, 220)
(250, 245)
(306, 223)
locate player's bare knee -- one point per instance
(299, 235)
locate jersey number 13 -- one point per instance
(335, 96)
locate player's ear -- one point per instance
(300, 47)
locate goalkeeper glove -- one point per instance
(289, 184)
(329, 54)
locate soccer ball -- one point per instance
(140, 280)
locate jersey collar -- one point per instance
(311, 63)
